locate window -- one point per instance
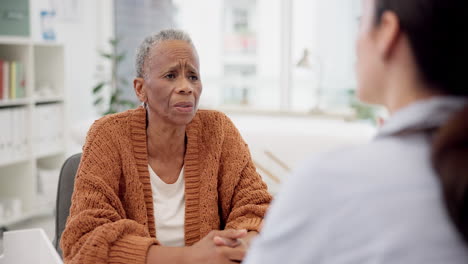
(280, 55)
(239, 46)
(323, 54)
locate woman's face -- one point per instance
(172, 83)
(369, 66)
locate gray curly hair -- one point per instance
(153, 40)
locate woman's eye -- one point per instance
(170, 76)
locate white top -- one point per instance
(379, 203)
(169, 209)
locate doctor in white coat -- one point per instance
(403, 198)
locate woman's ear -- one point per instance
(138, 85)
(387, 34)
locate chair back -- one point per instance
(64, 195)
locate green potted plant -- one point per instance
(362, 111)
(114, 83)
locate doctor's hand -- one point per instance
(234, 243)
(209, 251)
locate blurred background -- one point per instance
(282, 70)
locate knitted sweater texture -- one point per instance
(112, 216)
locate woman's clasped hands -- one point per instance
(225, 246)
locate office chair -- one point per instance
(64, 194)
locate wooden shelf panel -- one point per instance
(12, 40)
(48, 99)
(15, 102)
(47, 44)
(53, 152)
(4, 163)
(35, 213)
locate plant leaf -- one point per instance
(110, 111)
(98, 101)
(117, 93)
(120, 57)
(98, 87)
(106, 55)
(128, 103)
(113, 99)
(114, 42)
(123, 81)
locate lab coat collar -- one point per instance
(423, 115)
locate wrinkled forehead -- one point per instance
(172, 52)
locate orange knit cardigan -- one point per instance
(112, 216)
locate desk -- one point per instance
(28, 246)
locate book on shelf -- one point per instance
(13, 141)
(12, 80)
(4, 133)
(48, 135)
(6, 80)
(20, 80)
(1, 79)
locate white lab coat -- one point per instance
(378, 203)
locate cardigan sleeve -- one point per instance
(249, 202)
(249, 198)
(97, 230)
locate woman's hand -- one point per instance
(207, 251)
(234, 243)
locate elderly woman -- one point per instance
(165, 183)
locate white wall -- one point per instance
(328, 29)
(267, 94)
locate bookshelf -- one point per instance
(32, 131)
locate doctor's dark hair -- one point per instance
(437, 33)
